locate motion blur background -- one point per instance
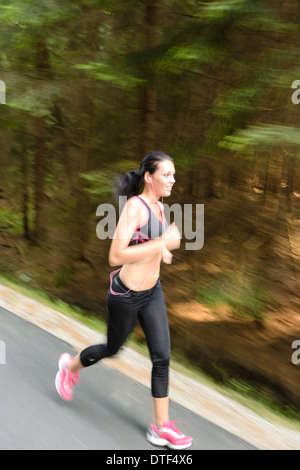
(94, 85)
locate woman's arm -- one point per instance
(120, 253)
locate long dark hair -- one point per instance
(130, 183)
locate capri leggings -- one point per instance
(123, 311)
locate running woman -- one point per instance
(141, 242)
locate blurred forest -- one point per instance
(94, 85)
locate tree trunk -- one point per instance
(83, 166)
(149, 95)
(86, 111)
(25, 169)
(273, 184)
(43, 70)
(39, 170)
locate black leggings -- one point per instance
(148, 306)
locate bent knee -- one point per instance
(162, 360)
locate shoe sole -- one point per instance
(163, 442)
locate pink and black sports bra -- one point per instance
(152, 228)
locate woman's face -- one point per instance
(163, 178)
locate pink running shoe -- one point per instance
(65, 380)
(168, 436)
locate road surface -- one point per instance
(109, 412)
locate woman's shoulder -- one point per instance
(136, 207)
(134, 201)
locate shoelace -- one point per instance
(170, 424)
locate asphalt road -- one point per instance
(109, 411)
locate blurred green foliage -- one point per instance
(246, 296)
(94, 85)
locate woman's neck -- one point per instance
(148, 196)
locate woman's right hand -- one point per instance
(171, 237)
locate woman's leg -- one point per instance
(161, 411)
(75, 365)
(155, 324)
(121, 319)
(154, 321)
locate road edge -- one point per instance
(185, 391)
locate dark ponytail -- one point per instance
(130, 184)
